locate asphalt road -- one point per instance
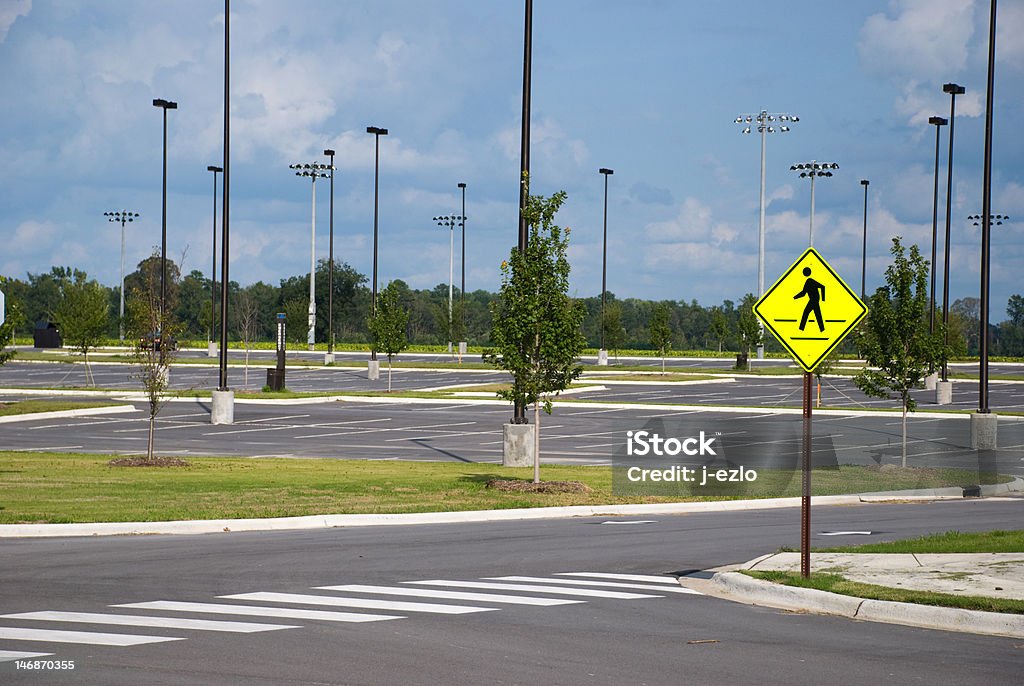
(662, 638)
(779, 391)
(439, 431)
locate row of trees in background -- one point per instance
(629, 323)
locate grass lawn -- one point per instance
(33, 406)
(834, 583)
(52, 487)
(948, 542)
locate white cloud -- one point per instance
(547, 140)
(1009, 29)
(925, 38)
(10, 10)
(32, 236)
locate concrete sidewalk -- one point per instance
(994, 575)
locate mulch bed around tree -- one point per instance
(144, 462)
(520, 486)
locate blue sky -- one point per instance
(649, 88)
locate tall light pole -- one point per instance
(953, 90)
(377, 133)
(312, 170)
(864, 249)
(938, 122)
(984, 428)
(164, 105)
(330, 270)
(451, 222)
(462, 293)
(121, 216)
(765, 125)
(223, 400)
(213, 271)
(813, 169)
(602, 354)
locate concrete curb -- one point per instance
(737, 586)
(352, 520)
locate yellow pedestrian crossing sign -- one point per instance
(810, 310)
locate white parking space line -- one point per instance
(11, 655)
(89, 637)
(646, 578)
(274, 419)
(257, 611)
(146, 620)
(365, 603)
(608, 584)
(558, 590)
(451, 595)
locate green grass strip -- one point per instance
(75, 487)
(34, 406)
(948, 542)
(834, 583)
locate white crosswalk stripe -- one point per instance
(90, 637)
(257, 611)
(451, 595)
(559, 590)
(12, 655)
(608, 584)
(146, 620)
(397, 606)
(474, 597)
(646, 578)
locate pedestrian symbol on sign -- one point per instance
(811, 291)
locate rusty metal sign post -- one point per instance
(792, 310)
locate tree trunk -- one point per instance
(247, 366)
(663, 364)
(389, 373)
(149, 445)
(536, 442)
(904, 431)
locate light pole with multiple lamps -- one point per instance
(329, 357)
(953, 90)
(766, 123)
(813, 169)
(373, 368)
(164, 105)
(462, 292)
(122, 216)
(864, 249)
(312, 170)
(211, 343)
(451, 222)
(602, 354)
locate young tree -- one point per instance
(537, 326)
(296, 320)
(154, 361)
(12, 321)
(387, 325)
(614, 332)
(894, 339)
(719, 328)
(661, 332)
(248, 313)
(83, 314)
(748, 327)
